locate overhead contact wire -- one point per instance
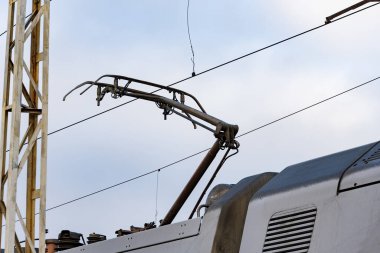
(308, 107)
(213, 68)
(126, 181)
(203, 151)
(203, 72)
(27, 16)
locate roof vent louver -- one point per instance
(374, 156)
(290, 231)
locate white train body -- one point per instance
(330, 204)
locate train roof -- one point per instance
(330, 167)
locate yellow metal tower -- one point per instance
(24, 113)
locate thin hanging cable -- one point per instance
(218, 66)
(30, 14)
(156, 213)
(309, 107)
(239, 136)
(127, 181)
(211, 69)
(203, 151)
(100, 190)
(1, 34)
(27, 16)
(191, 43)
(330, 22)
(272, 45)
(121, 183)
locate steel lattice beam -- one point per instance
(25, 111)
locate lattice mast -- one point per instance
(25, 111)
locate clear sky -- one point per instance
(148, 40)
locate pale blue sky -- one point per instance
(148, 40)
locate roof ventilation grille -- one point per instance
(290, 231)
(374, 156)
(371, 156)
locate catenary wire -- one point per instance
(121, 183)
(308, 107)
(211, 69)
(101, 190)
(203, 72)
(1, 34)
(126, 181)
(27, 16)
(202, 151)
